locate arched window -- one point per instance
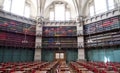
(18, 7)
(111, 4)
(27, 10)
(59, 12)
(92, 10)
(101, 6)
(7, 5)
(52, 16)
(67, 18)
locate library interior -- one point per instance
(59, 36)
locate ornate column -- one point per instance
(38, 44)
(80, 38)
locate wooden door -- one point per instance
(60, 56)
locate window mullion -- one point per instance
(107, 5)
(94, 7)
(24, 9)
(64, 11)
(10, 5)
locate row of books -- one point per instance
(111, 38)
(17, 44)
(17, 40)
(18, 27)
(62, 45)
(59, 31)
(60, 34)
(103, 43)
(50, 40)
(103, 25)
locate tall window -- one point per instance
(101, 6)
(92, 12)
(67, 15)
(17, 7)
(7, 5)
(52, 15)
(27, 11)
(111, 4)
(60, 13)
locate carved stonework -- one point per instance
(41, 21)
(80, 20)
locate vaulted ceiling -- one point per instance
(41, 7)
(78, 7)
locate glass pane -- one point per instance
(92, 10)
(27, 11)
(59, 12)
(6, 5)
(18, 7)
(111, 4)
(57, 56)
(51, 15)
(100, 6)
(67, 15)
(61, 55)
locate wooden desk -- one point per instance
(111, 72)
(63, 65)
(45, 69)
(1, 71)
(118, 66)
(64, 69)
(49, 70)
(118, 69)
(7, 70)
(18, 72)
(34, 67)
(26, 69)
(100, 69)
(86, 71)
(64, 72)
(80, 67)
(0, 66)
(96, 66)
(83, 69)
(41, 72)
(8, 67)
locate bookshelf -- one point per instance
(99, 27)
(102, 39)
(62, 36)
(16, 27)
